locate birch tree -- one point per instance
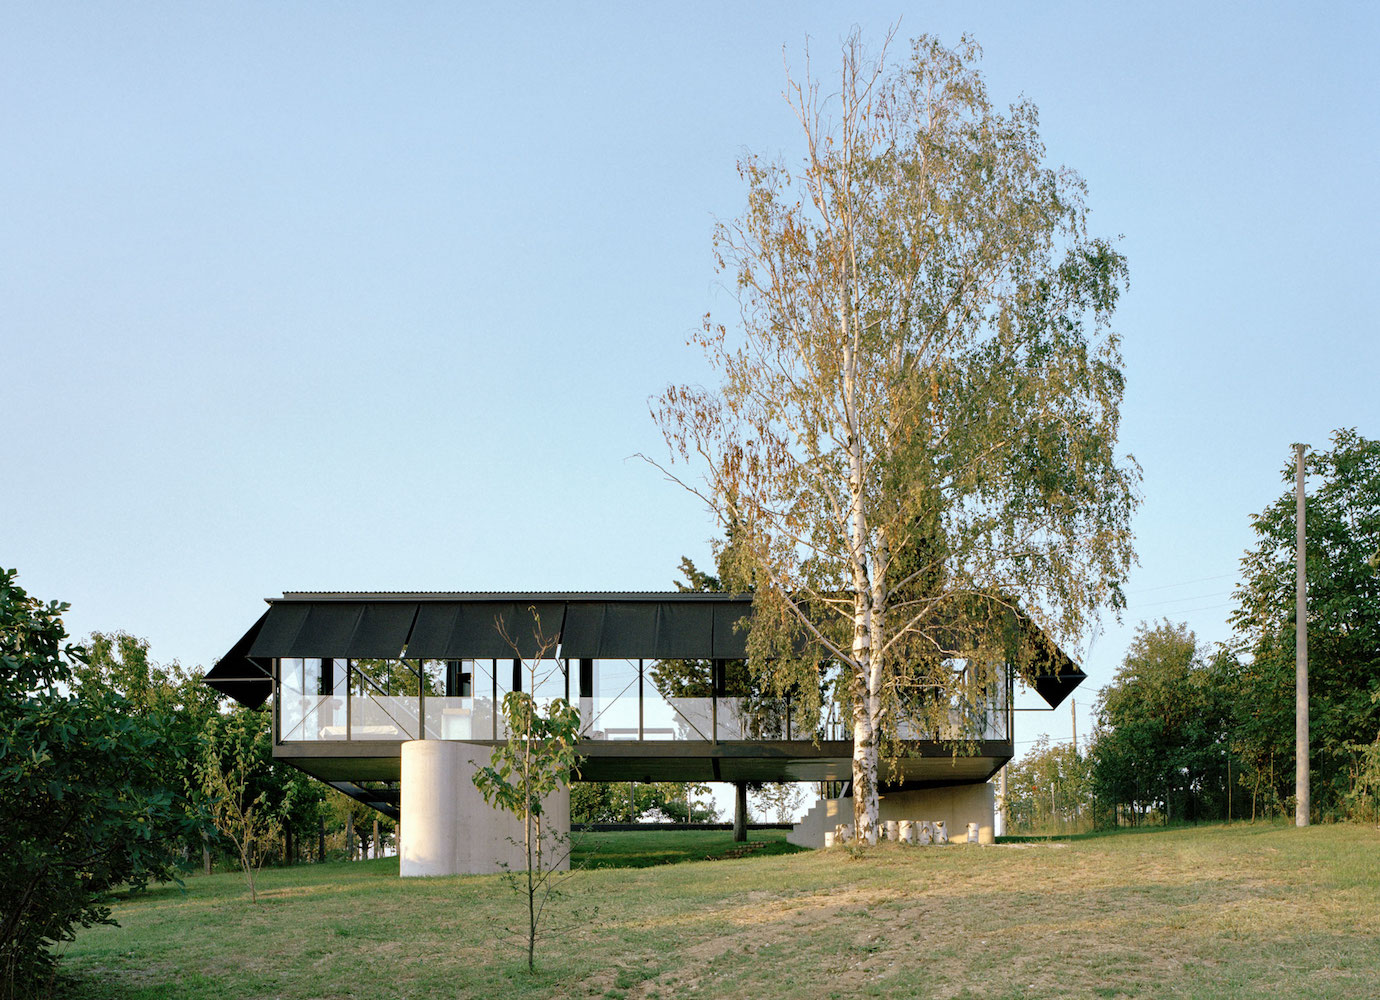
(914, 434)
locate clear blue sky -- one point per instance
(347, 296)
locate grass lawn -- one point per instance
(631, 849)
(1243, 911)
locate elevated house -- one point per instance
(392, 698)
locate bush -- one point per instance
(82, 801)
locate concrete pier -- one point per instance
(448, 828)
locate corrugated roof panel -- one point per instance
(452, 630)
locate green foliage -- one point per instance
(1163, 723)
(354, 822)
(85, 803)
(538, 757)
(1363, 799)
(237, 777)
(1186, 735)
(779, 801)
(915, 428)
(1343, 535)
(633, 802)
(197, 732)
(1049, 790)
(120, 662)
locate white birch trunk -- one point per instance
(864, 734)
(865, 662)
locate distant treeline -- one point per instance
(1185, 733)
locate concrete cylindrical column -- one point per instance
(431, 777)
(448, 828)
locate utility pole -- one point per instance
(1301, 794)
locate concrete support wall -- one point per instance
(956, 805)
(448, 829)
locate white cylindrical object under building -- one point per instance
(448, 828)
(430, 806)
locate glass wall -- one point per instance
(976, 708)
(618, 699)
(544, 680)
(609, 712)
(449, 709)
(312, 699)
(385, 701)
(677, 702)
(755, 718)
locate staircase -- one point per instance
(825, 814)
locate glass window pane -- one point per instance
(449, 702)
(482, 725)
(383, 717)
(546, 679)
(290, 675)
(379, 708)
(611, 714)
(676, 700)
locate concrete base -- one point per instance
(956, 806)
(448, 829)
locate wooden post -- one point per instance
(740, 811)
(350, 835)
(378, 852)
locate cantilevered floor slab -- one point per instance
(924, 765)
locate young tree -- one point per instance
(233, 776)
(914, 435)
(1343, 535)
(537, 759)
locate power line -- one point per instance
(1184, 583)
(1176, 600)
